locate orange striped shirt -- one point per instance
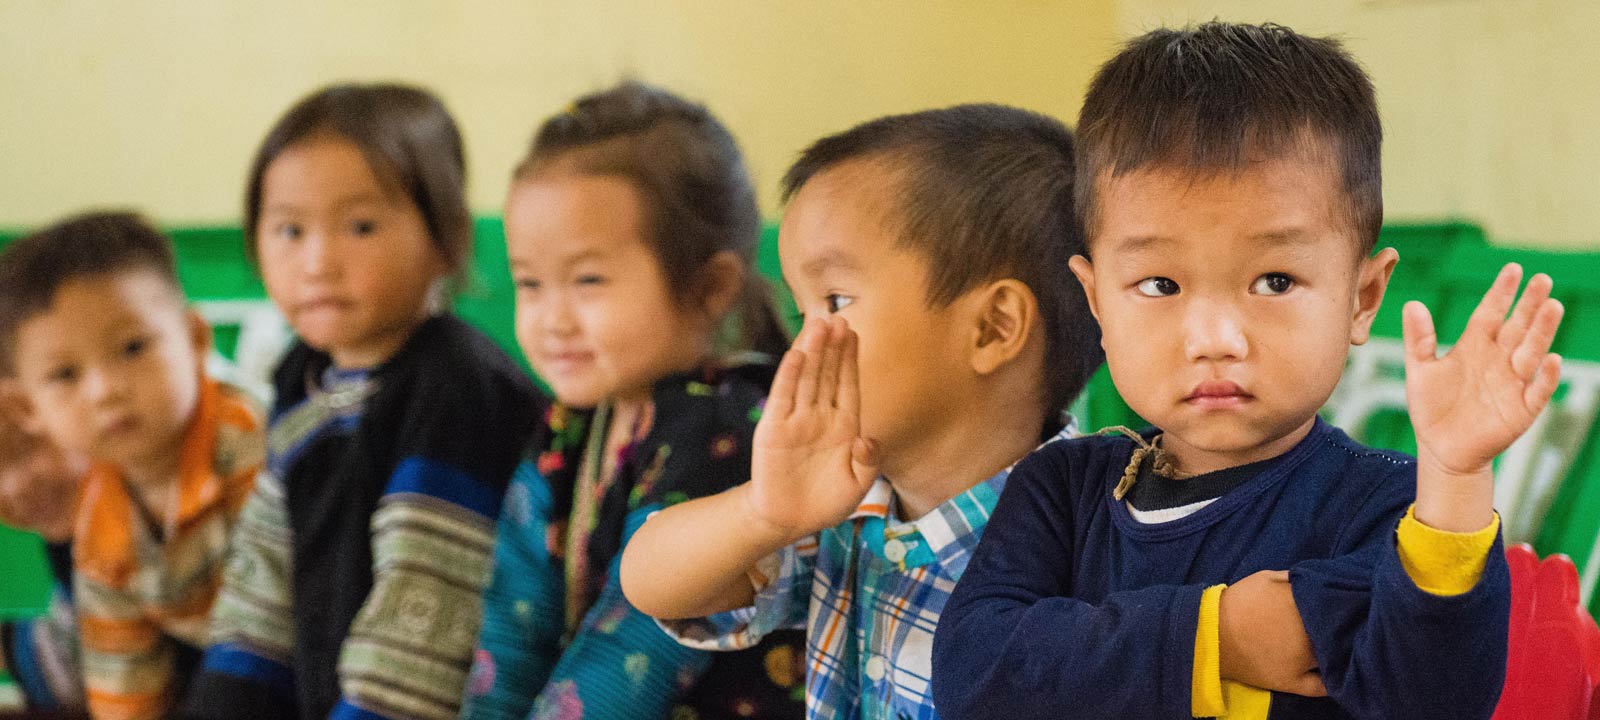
(137, 594)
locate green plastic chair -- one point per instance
(25, 592)
(1424, 248)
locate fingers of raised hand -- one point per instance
(850, 376)
(814, 341)
(1524, 314)
(1422, 343)
(780, 400)
(1490, 314)
(832, 364)
(1535, 337)
(864, 461)
(1544, 383)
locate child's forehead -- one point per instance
(836, 247)
(331, 169)
(92, 307)
(850, 213)
(1270, 201)
(562, 219)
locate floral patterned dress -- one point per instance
(559, 640)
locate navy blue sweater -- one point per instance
(1071, 608)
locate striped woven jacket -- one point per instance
(354, 589)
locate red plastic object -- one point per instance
(1553, 659)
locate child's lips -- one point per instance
(562, 362)
(120, 426)
(321, 304)
(1218, 395)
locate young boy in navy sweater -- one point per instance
(1243, 558)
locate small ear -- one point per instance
(722, 279)
(1007, 312)
(1084, 269)
(199, 333)
(1372, 281)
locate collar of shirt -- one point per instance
(946, 534)
(105, 533)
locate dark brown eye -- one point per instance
(1157, 287)
(1272, 284)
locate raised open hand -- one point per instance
(1471, 404)
(811, 466)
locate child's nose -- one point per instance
(317, 257)
(1214, 331)
(103, 384)
(559, 317)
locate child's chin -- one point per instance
(1219, 437)
(577, 397)
(319, 338)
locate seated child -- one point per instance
(105, 359)
(1230, 192)
(933, 238)
(354, 588)
(631, 228)
(39, 494)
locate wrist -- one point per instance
(764, 532)
(1454, 500)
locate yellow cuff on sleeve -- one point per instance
(1442, 562)
(1206, 686)
(1211, 696)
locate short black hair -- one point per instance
(986, 193)
(1218, 97)
(33, 269)
(409, 140)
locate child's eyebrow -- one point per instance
(1291, 237)
(830, 260)
(587, 255)
(1286, 236)
(1139, 243)
(362, 198)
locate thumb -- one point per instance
(864, 461)
(1422, 343)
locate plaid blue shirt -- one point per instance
(870, 592)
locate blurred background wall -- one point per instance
(161, 104)
(1488, 104)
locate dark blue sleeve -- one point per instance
(1385, 647)
(1013, 644)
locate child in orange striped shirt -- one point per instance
(102, 355)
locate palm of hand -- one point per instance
(811, 467)
(1470, 405)
(806, 481)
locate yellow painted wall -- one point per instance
(1491, 108)
(1489, 105)
(160, 104)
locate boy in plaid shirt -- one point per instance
(937, 237)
